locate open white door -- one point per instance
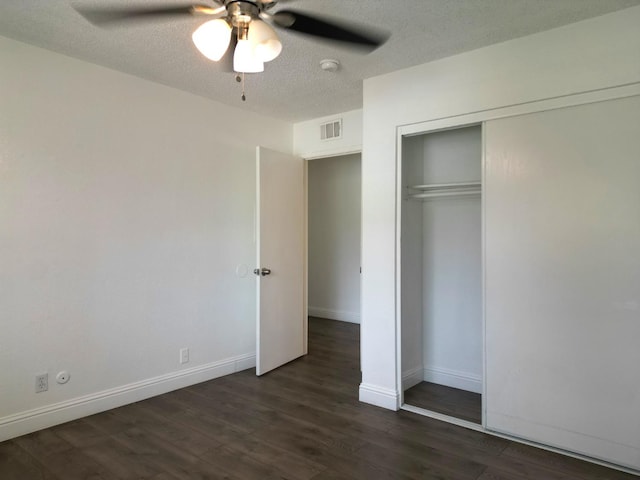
(281, 237)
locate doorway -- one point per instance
(334, 238)
(329, 217)
(334, 244)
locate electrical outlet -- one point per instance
(184, 355)
(42, 383)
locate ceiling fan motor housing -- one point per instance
(241, 13)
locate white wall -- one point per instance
(453, 293)
(125, 207)
(334, 238)
(306, 136)
(585, 56)
(452, 264)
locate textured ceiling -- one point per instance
(293, 87)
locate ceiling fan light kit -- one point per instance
(257, 44)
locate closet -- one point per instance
(518, 258)
(441, 272)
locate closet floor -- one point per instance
(446, 400)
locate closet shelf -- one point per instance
(434, 190)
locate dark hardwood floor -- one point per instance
(449, 401)
(300, 422)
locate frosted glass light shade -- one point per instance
(244, 59)
(268, 50)
(212, 38)
(264, 41)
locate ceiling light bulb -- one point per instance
(245, 60)
(264, 40)
(212, 38)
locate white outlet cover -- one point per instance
(42, 382)
(63, 377)
(184, 355)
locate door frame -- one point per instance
(305, 261)
(412, 131)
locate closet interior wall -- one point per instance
(441, 259)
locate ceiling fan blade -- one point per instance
(357, 35)
(102, 16)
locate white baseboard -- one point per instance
(452, 378)
(379, 396)
(342, 315)
(57, 413)
(412, 377)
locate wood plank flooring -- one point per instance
(300, 422)
(446, 400)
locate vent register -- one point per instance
(331, 130)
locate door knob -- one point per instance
(262, 271)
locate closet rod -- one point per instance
(438, 186)
(445, 194)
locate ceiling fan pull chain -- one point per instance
(244, 98)
(240, 79)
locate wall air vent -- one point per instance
(331, 130)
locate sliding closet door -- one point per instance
(562, 213)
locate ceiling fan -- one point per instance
(240, 32)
